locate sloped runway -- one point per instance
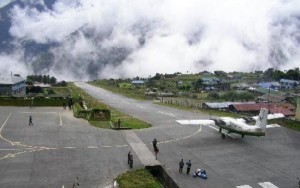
(58, 148)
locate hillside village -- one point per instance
(238, 92)
(244, 93)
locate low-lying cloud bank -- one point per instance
(128, 38)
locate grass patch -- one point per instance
(62, 91)
(138, 178)
(288, 123)
(101, 124)
(90, 101)
(126, 120)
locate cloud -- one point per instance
(127, 38)
(13, 64)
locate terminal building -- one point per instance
(12, 85)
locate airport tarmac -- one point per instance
(58, 148)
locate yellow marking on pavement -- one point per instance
(25, 148)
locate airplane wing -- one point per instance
(196, 122)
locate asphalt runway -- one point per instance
(271, 161)
(58, 148)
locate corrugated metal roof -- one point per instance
(224, 104)
(137, 82)
(10, 79)
(289, 81)
(256, 107)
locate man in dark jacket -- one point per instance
(181, 164)
(188, 168)
(30, 120)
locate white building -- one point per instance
(12, 85)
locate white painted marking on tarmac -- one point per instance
(60, 119)
(140, 106)
(106, 146)
(5, 122)
(119, 146)
(38, 112)
(69, 147)
(9, 149)
(167, 141)
(63, 186)
(244, 186)
(166, 113)
(2, 128)
(92, 147)
(267, 185)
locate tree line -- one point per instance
(274, 74)
(45, 79)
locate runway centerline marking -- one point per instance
(60, 119)
(166, 113)
(10, 149)
(140, 106)
(38, 112)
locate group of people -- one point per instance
(188, 166)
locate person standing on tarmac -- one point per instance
(188, 168)
(30, 120)
(181, 164)
(154, 143)
(129, 155)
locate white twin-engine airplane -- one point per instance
(239, 126)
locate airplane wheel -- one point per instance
(223, 135)
(243, 136)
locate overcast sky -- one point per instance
(168, 36)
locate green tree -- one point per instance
(230, 96)
(268, 74)
(213, 96)
(52, 80)
(198, 84)
(277, 75)
(245, 96)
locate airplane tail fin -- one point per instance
(262, 118)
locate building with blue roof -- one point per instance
(137, 82)
(269, 85)
(288, 84)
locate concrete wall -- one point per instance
(160, 173)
